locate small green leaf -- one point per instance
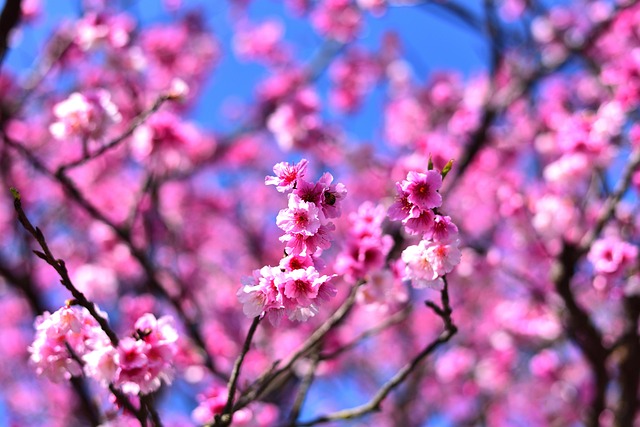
(15, 193)
(430, 165)
(446, 168)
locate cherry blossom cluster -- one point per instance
(296, 121)
(416, 204)
(366, 247)
(70, 341)
(295, 287)
(338, 19)
(84, 115)
(353, 77)
(364, 257)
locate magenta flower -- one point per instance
(422, 189)
(302, 244)
(302, 286)
(332, 196)
(444, 230)
(287, 175)
(419, 222)
(401, 208)
(133, 367)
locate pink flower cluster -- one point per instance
(295, 287)
(296, 120)
(146, 359)
(338, 19)
(261, 42)
(366, 248)
(86, 116)
(416, 206)
(70, 325)
(353, 76)
(70, 340)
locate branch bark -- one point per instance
(9, 19)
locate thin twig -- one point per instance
(303, 389)
(226, 417)
(147, 401)
(124, 235)
(135, 123)
(444, 312)
(501, 100)
(612, 201)
(395, 318)
(123, 400)
(61, 268)
(259, 387)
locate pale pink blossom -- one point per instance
(85, 115)
(300, 217)
(100, 364)
(427, 261)
(287, 175)
(70, 326)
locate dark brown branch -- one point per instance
(579, 325)
(61, 268)
(612, 201)
(261, 385)
(124, 235)
(500, 101)
(582, 330)
(629, 377)
(9, 19)
(123, 400)
(148, 404)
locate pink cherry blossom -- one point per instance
(610, 255)
(422, 189)
(300, 217)
(84, 115)
(287, 175)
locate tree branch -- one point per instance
(226, 417)
(61, 268)
(9, 19)
(629, 377)
(444, 312)
(259, 387)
